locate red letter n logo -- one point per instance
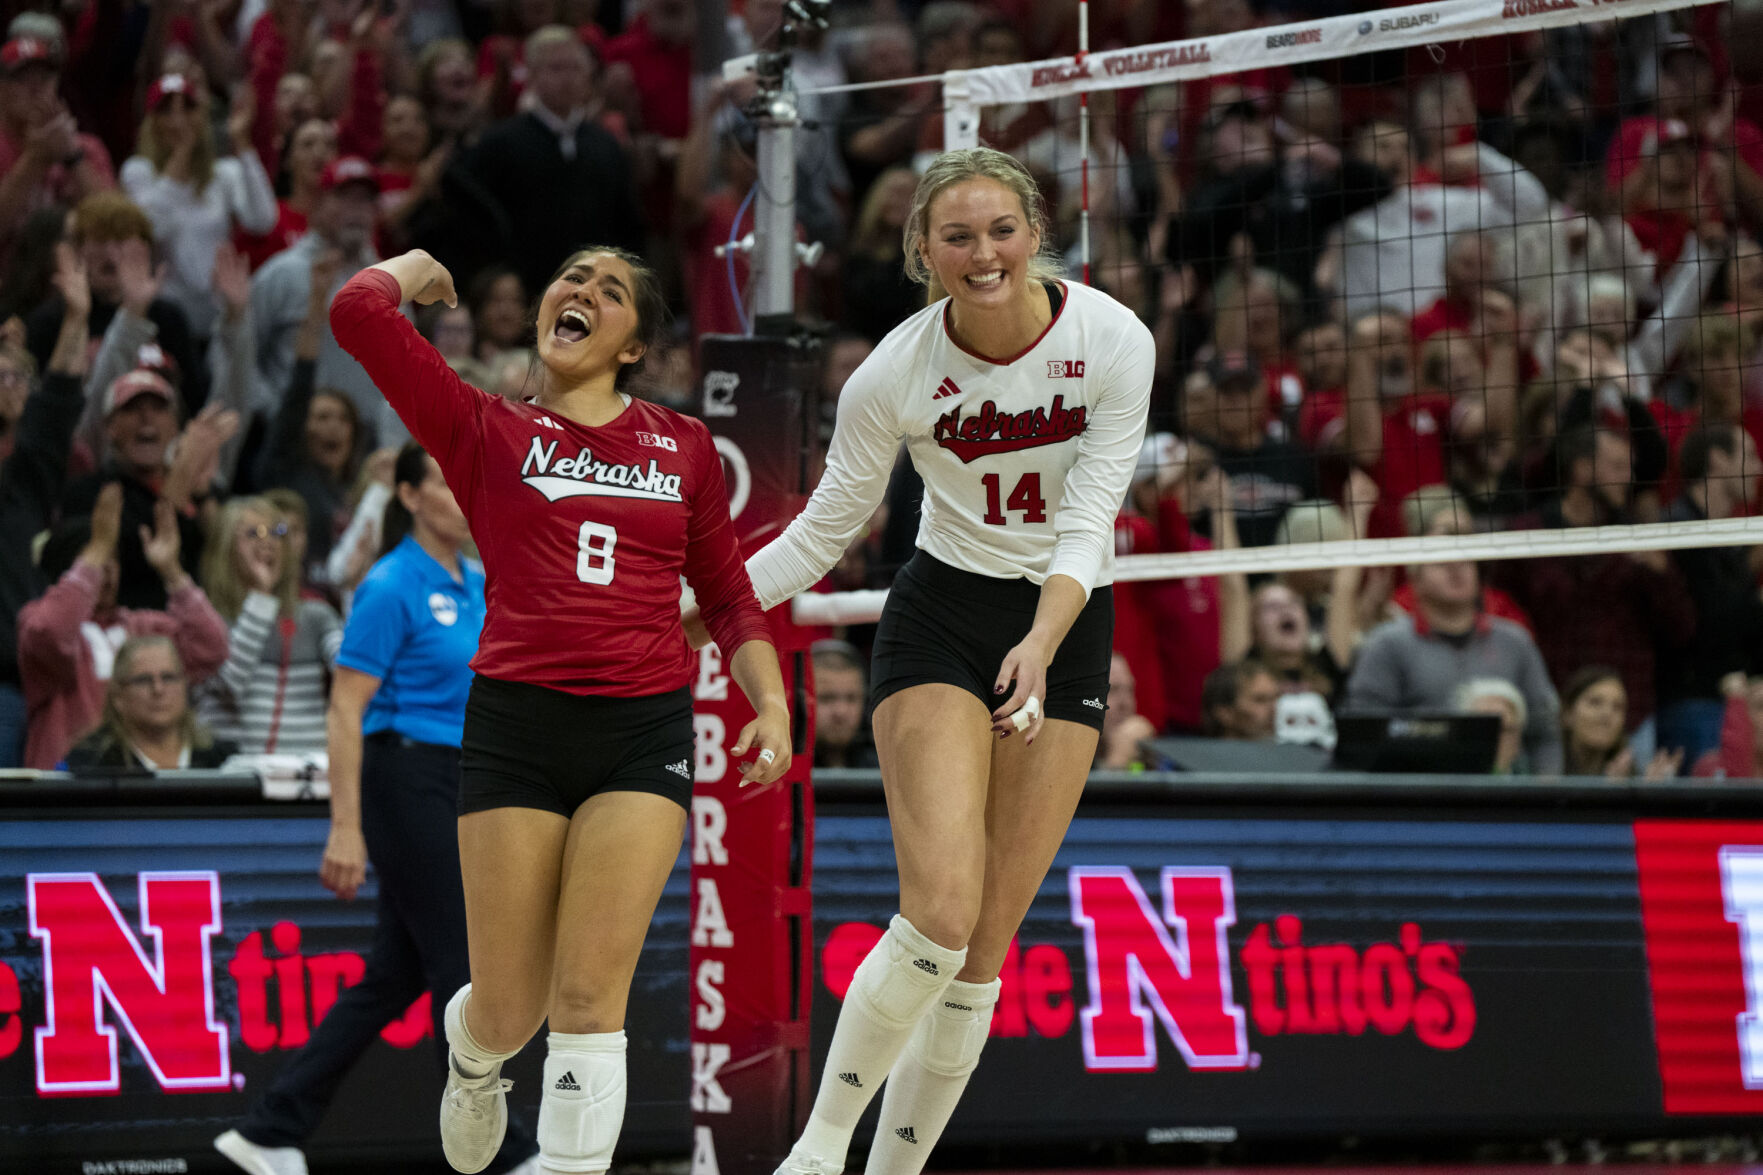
(1134, 962)
(167, 1004)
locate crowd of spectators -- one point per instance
(1508, 283)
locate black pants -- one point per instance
(409, 797)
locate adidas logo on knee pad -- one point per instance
(851, 1080)
(925, 965)
(906, 1135)
(567, 1081)
(956, 1007)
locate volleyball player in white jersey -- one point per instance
(1022, 400)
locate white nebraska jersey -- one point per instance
(1025, 463)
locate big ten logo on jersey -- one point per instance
(1065, 369)
(1701, 889)
(719, 392)
(657, 442)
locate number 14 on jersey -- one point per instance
(1025, 499)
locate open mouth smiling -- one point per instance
(571, 326)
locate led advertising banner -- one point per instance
(1186, 974)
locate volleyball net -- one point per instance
(1469, 280)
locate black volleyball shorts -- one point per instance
(526, 746)
(945, 625)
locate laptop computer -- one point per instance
(1425, 743)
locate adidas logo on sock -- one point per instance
(851, 1080)
(926, 966)
(905, 1133)
(957, 1007)
(567, 1081)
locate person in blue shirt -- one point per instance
(397, 712)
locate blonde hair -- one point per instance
(148, 146)
(954, 167)
(111, 722)
(220, 567)
(1315, 520)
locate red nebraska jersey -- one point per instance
(584, 532)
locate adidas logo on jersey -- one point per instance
(683, 768)
(567, 1081)
(925, 965)
(905, 1134)
(946, 389)
(851, 1080)
(547, 422)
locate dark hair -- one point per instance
(1582, 680)
(1579, 443)
(33, 262)
(650, 305)
(1700, 446)
(411, 469)
(1223, 686)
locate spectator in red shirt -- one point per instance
(1741, 736)
(1395, 430)
(1169, 628)
(1663, 190)
(44, 157)
(309, 151)
(501, 59)
(1714, 362)
(1474, 260)
(1612, 609)
(68, 638)
(1123, 727)
(652, 60)
(1320, 353)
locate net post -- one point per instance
(960, 112)
(774, 216)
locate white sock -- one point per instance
(895, 985)
(582, 1109)
(928, 1079)
(471, 1059)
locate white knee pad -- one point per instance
(583, 1104)
(949, 1041)
(901, 978)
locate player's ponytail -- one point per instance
(410, 469)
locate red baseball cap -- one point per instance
(172, 85)
(22, 52)
(133, 386)
(348, 169)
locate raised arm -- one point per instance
(439, 408)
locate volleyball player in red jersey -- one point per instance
(587, 507)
